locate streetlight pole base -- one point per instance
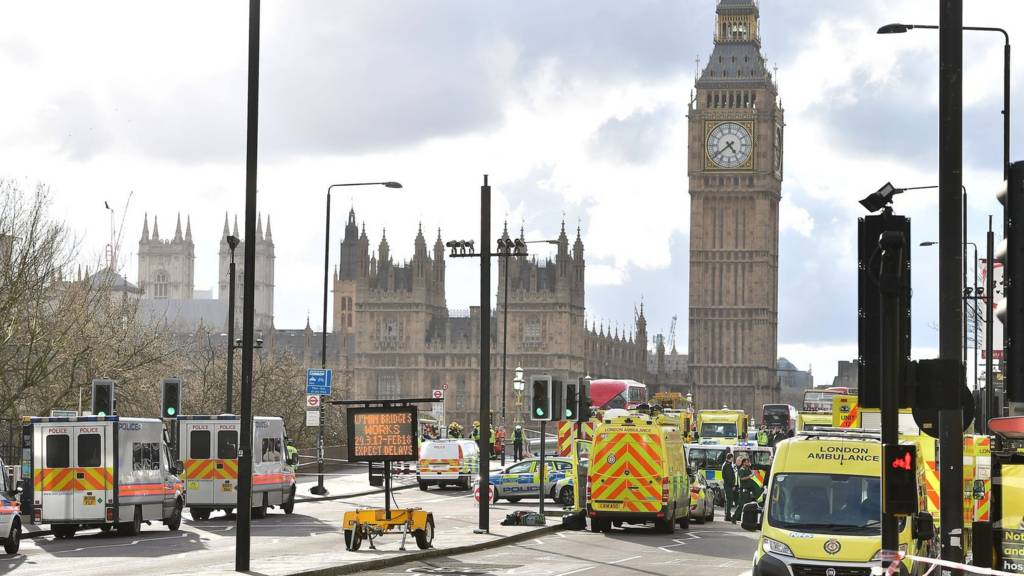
(480, 531)
(318, 490)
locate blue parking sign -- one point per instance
(318, 381)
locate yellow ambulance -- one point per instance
(823, 508)
(721, 426)
(637, 473)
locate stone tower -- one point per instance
(166, 267)
(264, 274)
(735, 181)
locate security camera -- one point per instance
(880, 198)
(233, 242)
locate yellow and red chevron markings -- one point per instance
(70, 479)
(93, 478)
(566, 431)
(628, 463)
(212, 469)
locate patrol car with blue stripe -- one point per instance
(522, 479)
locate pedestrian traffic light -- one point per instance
(557, 400)
(540, 399)
(572, 402)
(170, 397)
(1011, 252)
(899, 479)
(102, 397)
(583, 398)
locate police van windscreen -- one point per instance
(718, 430)
(826, 504)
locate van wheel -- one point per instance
(684, 522)
(174, 522)
(600, 525)
(289, 506)
(199, 514)
(711, 513)
(565, 496)
(134, 527)
(423, 486)
(426, 535)
(64, 531)
(514, 499)
(465, 484)
(667, 526)
(13, 542)
(260, 511)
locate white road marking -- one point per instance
(559, 534)
(133, 542)
(538, 541)
(575, 571)
(624, 560)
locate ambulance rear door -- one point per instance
(197, 448)
(93, 457)
(226, 467)
(55, 478)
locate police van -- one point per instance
(453, 461)
(208, 448)
(98, 471)
(10, 511)
(822, 511)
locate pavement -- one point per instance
(308, 540)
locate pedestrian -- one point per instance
(729, 484)
(777, 436)
(492, 440)
(517, 443)
(762, 436)
(293, 453)
(475, 434)
(747, 488)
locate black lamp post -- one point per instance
(319, 489)
(232, 244)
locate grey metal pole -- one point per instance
(319, 489)
(974, 310)
(231, 333)
(990, 409)
(485, 351)
(244, 502)
(892, 245)
(504, 357)
(540, 467)
(950, 302)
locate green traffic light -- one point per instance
(568, 413)
(540, 412)
(170, 410)
(101, 413)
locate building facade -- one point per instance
(166, 267)
(398, 338)
(735, 176)
(264, 281)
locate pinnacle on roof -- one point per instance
(234, 231)
(259, 226)
(227, 231)
(156, 229)
(145, 226)
(177, 228)
(268, 236)
(188, 228)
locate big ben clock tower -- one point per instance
(735, 178)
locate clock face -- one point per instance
(729, 145)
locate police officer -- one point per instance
(492, 439)
(293, 452)
(729, 483)
(475, 434)
(762, 436)
(748, 490)
(517, 443)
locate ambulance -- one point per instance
(811, 421)
(98, 471)
(10, 511)
(822, 512)
(637, 473)
(721, 426)
(208, 447)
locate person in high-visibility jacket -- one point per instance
(517, 443)
(493, 439)
(762, 436)
(475, 434)
(293, 453)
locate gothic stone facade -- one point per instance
(735, 181)
(399, 339)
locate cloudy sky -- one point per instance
(576, 110)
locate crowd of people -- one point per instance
(740, 486)
(496, 437)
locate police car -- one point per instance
(10, 511)
(521, 480)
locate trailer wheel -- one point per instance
(289, 506)
(425, 536)
(354, 537)
(13, 542)
(134, 527)
(174, 522)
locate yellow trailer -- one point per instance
(369, 523)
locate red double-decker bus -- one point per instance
(608, 394)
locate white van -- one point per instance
(99, 471)
(448, 461)
(10, 511)
(208, 447)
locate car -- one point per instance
(702, 499)
(520, 480)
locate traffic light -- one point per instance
(102, 397)
(899, 479)
(170, 397)
(572, 402)
(869, 313)
(540, 398)
(1011, 252)
(557, 400)
(583, 397)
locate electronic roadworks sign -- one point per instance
(382, 434)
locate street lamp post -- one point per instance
(319, 489)
(969, 294)
(232, 244)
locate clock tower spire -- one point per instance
(735, 183)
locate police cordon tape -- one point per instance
(935, 563)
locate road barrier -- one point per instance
(936, 563)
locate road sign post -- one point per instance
(439, 408)
(318, 383)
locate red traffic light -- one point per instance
(903, 463)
